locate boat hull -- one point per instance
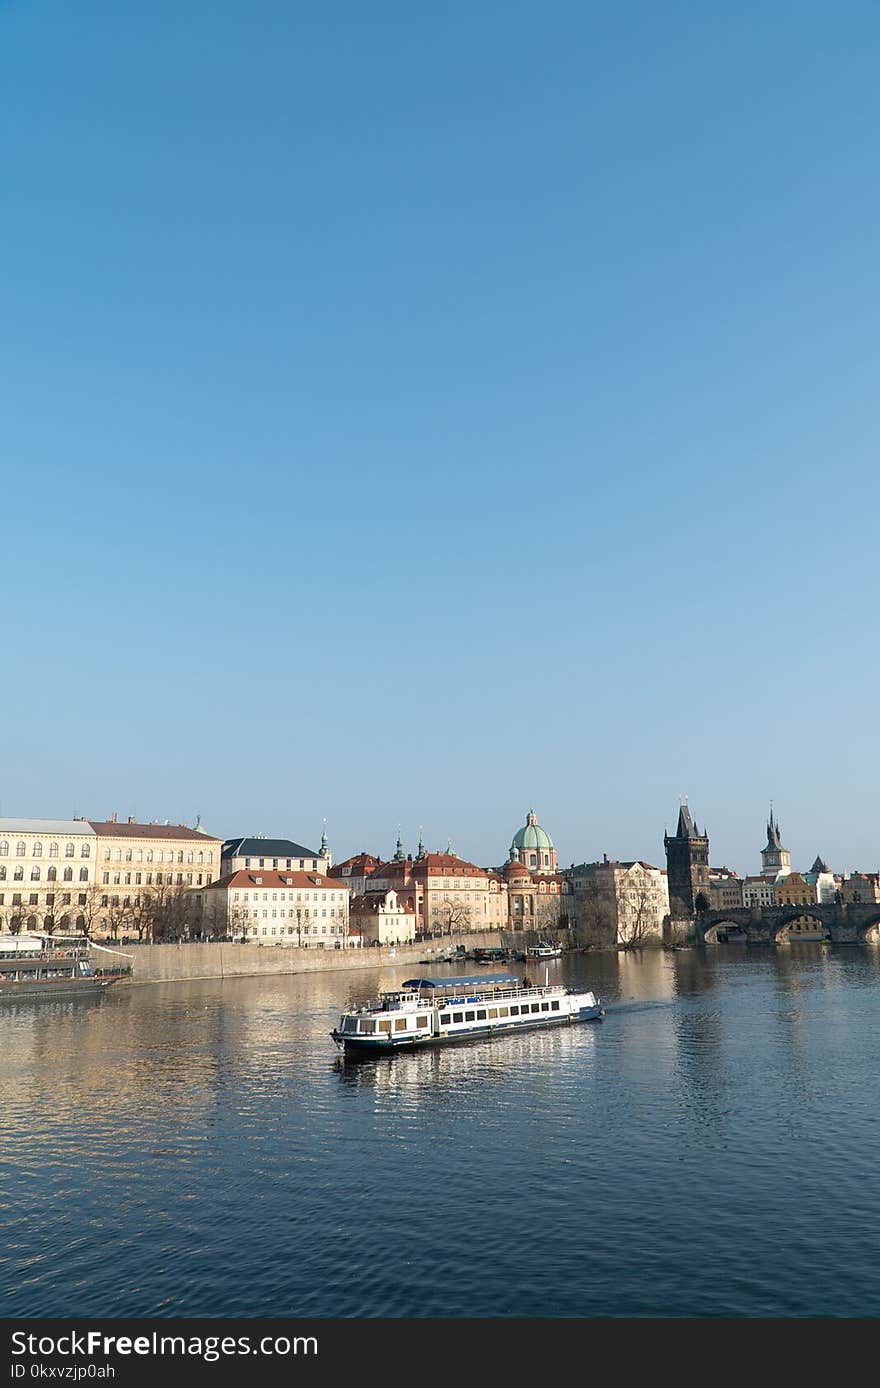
(52, 987)
(372, 1045)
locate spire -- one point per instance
(325, 852)
(421, 849)
(399, 854)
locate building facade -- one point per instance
(725, 890)
(625, 903)
(304, 909)
(146, 873)
(47, 875)
(381, 918)
(759, 893)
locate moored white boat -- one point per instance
(435, 1012)
(543, 951)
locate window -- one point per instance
(83, 874)
(18, 874)
(514, 1011)
(554, 1007)
(400, 1024)
(4, 848)
(69, 850)
(35, 873)
(421, 1021)
(536, 1007)
(458, 1016)
(470, 1017)
(3, 874)
(481, 1014)
(68, 874)
(545, 1007)
(37, 851)
(85, 851)
(445, 1019)
(20, 848)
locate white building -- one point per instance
(383, 918)
(47, 872)
(758, 892)
(291, 908)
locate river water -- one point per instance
(710, 1149)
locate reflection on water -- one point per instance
(201, 1149)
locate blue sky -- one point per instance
(413, 414)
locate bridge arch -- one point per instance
(869, 932)
(802, 923)
(724, 932)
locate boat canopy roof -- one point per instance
(467, 981)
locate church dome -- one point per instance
(514, 868)
(531, 835)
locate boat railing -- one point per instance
(436, 997)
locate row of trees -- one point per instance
(163, 912)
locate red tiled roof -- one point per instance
(108, 828)
(257, 877)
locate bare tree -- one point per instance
(596, 919)
(457, 918)
(635, 925)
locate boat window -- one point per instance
(421, 1021)
(536, 1007)
(385, 1025)
(445, 1020)
(481, 1014)
(502, 1012)
(493, 1011)
(400, 1024)
(458, 1016)
(368, 1025)
(350, 1024)
(470, 1017)
(514, 1011)
(545, 1007)
(554, 1007)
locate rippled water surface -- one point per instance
(198, 1149)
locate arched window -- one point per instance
(189, 856)
(128, 855)
(4, 848)
(201, 857)
(68, 874)
(69, 850)
(52, 874)
(210, 857)
(18, 875)
(37, 851)
(20, 848)
(2, 874)
(149, 855)
(117, 856)
(180, 855)
(83, 874)
(85, 851)
(35, 873)
(53, 850)
(80, 922)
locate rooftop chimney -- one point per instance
(131, 819)
(113, 817)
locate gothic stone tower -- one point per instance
(687, 865)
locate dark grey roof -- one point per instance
(819, 865)
(265, 848)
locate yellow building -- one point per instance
(143, 872)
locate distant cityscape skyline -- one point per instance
(383, 842)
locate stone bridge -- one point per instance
(840, 925)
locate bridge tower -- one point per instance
(687, 865)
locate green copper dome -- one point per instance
(531, 835)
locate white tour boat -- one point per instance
(543, 951)
(434, 1012)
